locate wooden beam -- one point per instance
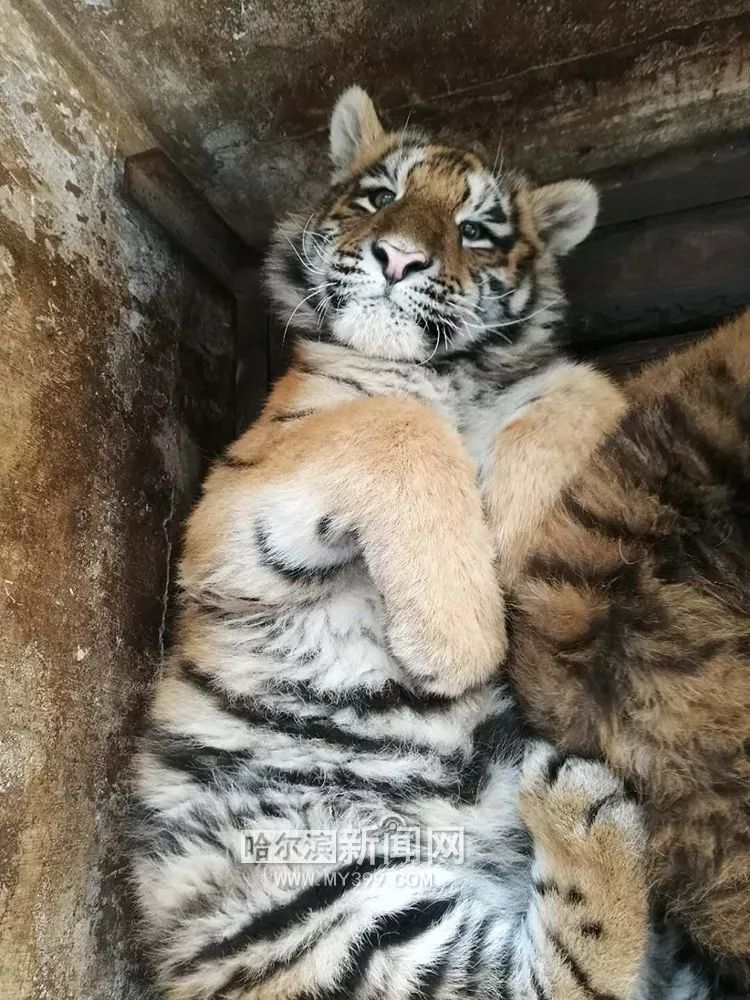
(155, 183)
(621, 360)
(664, 274)
(676, 181)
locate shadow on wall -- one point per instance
(116, 369)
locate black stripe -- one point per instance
(496, 214)
(203, 763)
(412, 167)
(240, 978)
(157, 834)
(377, 172)
(475, 959)
(323, 530)
(268, 808)
(211, 765)
(495, 740)
(290, 724)
(504, 968)
(390, 929)
(248, 978)
(201, 904)
(271, 924)
(502, 243)
(171, 840)
(690, 659)
(336, 537)
(499, 371)
(595, 808)
(450, 358)
(515, 197)
(554, 764)
(663, 450)
(237, 606)
(352, 383)
(391, 695)
(446, 159)
(487, 976)
(347, 782)
(576, 971)
(282, 418)
(610, 527)
(622, 576)
(404, 925)
(234, 462)
(347, 269)
(500, 738)
(630, 606)
(539, 991)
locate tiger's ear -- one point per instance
(565, 213)
(354, 126)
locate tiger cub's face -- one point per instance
(421, 250)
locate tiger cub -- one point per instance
(334, 677)
(631, 611)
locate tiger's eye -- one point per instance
(382, 197)
(470, 230)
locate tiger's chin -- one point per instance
(379, 328)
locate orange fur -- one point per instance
(631, 608)
(393, 470)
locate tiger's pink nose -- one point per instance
(397, 263)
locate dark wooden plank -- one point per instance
(675, 181)
(621, 360)
(155, 183)
(667, 274)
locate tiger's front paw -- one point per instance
(579, 807)
(447, 661)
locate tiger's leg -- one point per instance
(541, 451)
(385, 478)
(586, 931)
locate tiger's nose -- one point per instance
(396, 262)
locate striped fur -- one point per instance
(341, 628)
(631, 618)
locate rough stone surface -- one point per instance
(115, 378)
(239, 91)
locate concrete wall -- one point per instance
(239, 92)
(115, 382)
